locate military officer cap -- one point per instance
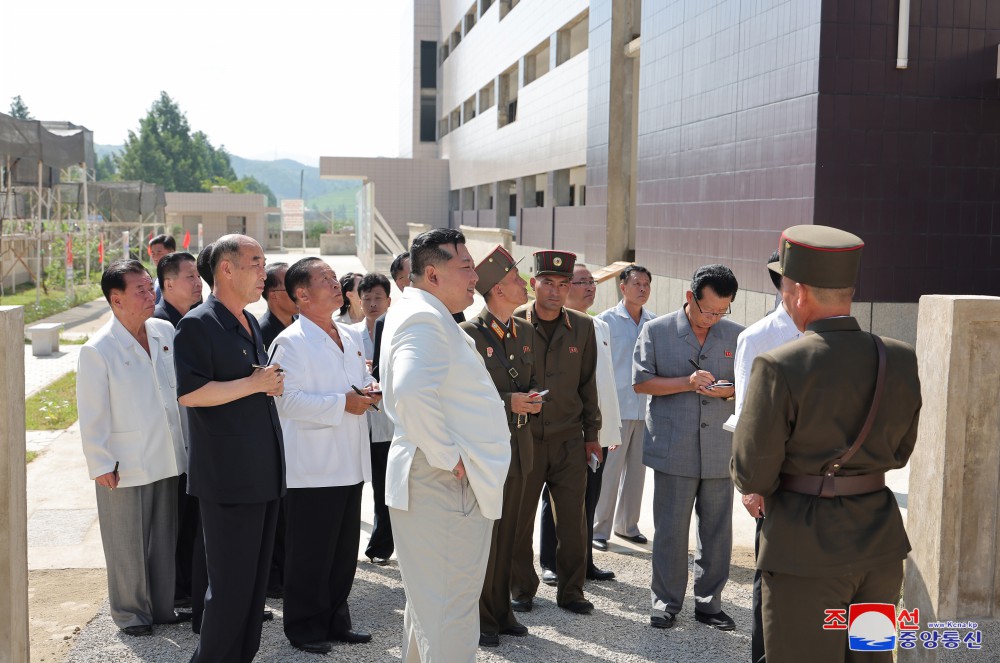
(819, 256)
(494, 268)
(560, 263)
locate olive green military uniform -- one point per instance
(805, 405)
(566, 365)
(517, 343)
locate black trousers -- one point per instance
(322, 534)
(380, 544)
(547, 552)
(239, 539)
(276, 577)
(757, 630)
(188, 526)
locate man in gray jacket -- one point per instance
(684, 361)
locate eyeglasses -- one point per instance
(584, 283)
(713, 314)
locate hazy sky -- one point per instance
(297, 79)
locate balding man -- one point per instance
(236, 467)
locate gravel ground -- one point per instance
(618, 630)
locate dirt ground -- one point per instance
(60, 603)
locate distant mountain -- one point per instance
(282, 176)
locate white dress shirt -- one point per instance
(127, 401)
(441, 401)
(324, 444)
(607, 392)
(774, 329)
(624, 333)
(378, 422)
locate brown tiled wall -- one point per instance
(727, 127)
(910, 160)
(754, 118)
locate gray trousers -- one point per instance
(139, 533)
(442, 544)
(712, 501)
(624, 478)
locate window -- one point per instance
(428, 108)
(236, 225)
(507, 97)
(484, 7)
(442, 127)
(536, 63)
(487, 97)
(456, 119)
(469, 108)
(428, 67)
(470, 20)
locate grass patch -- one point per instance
(54, 407)
(50, 304)
(65, 341)
(30, 456)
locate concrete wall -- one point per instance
(214, 210)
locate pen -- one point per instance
(115, 471)
(279, 369)
(695, 364)
(361, 393)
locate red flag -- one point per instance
(69, 251)
(187, 239)
(100, 250)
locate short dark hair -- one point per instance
(167, 241)
(718, 277)
(775, 276)
(634, 269)
(113, 277)
(170, 265)
(426, 248)
(374, 280)
(271, 276)
(346, 286)
(205, 265)
(397, 264)
(226, 247)
(298, 275)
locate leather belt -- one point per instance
(829, 486)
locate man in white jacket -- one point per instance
(327, 458)
(131, 431)
(450, 452)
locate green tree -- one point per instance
(105, 168)
(19, 109)
(165, 151)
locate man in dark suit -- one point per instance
(236, 465)
(499, 335)
(177, 274)
(833, 534)
(565, 435)
(281, 310)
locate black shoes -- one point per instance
(379, 561)
(182, 616)
(600, 544)
(665, 621)
(550, 578)
(521, 605)
(594, 573)
(518, 630)
(489, 639)
(579, 606)
(138, 630)
(268, 616)
(353, 637)
(322, 647)
(638, 538)
(719, 620)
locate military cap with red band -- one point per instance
(494, 268)
(819, 256)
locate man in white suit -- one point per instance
(131, 431)
(327, 459)
(450, 452)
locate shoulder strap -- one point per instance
(511, 371)
(836, 464)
